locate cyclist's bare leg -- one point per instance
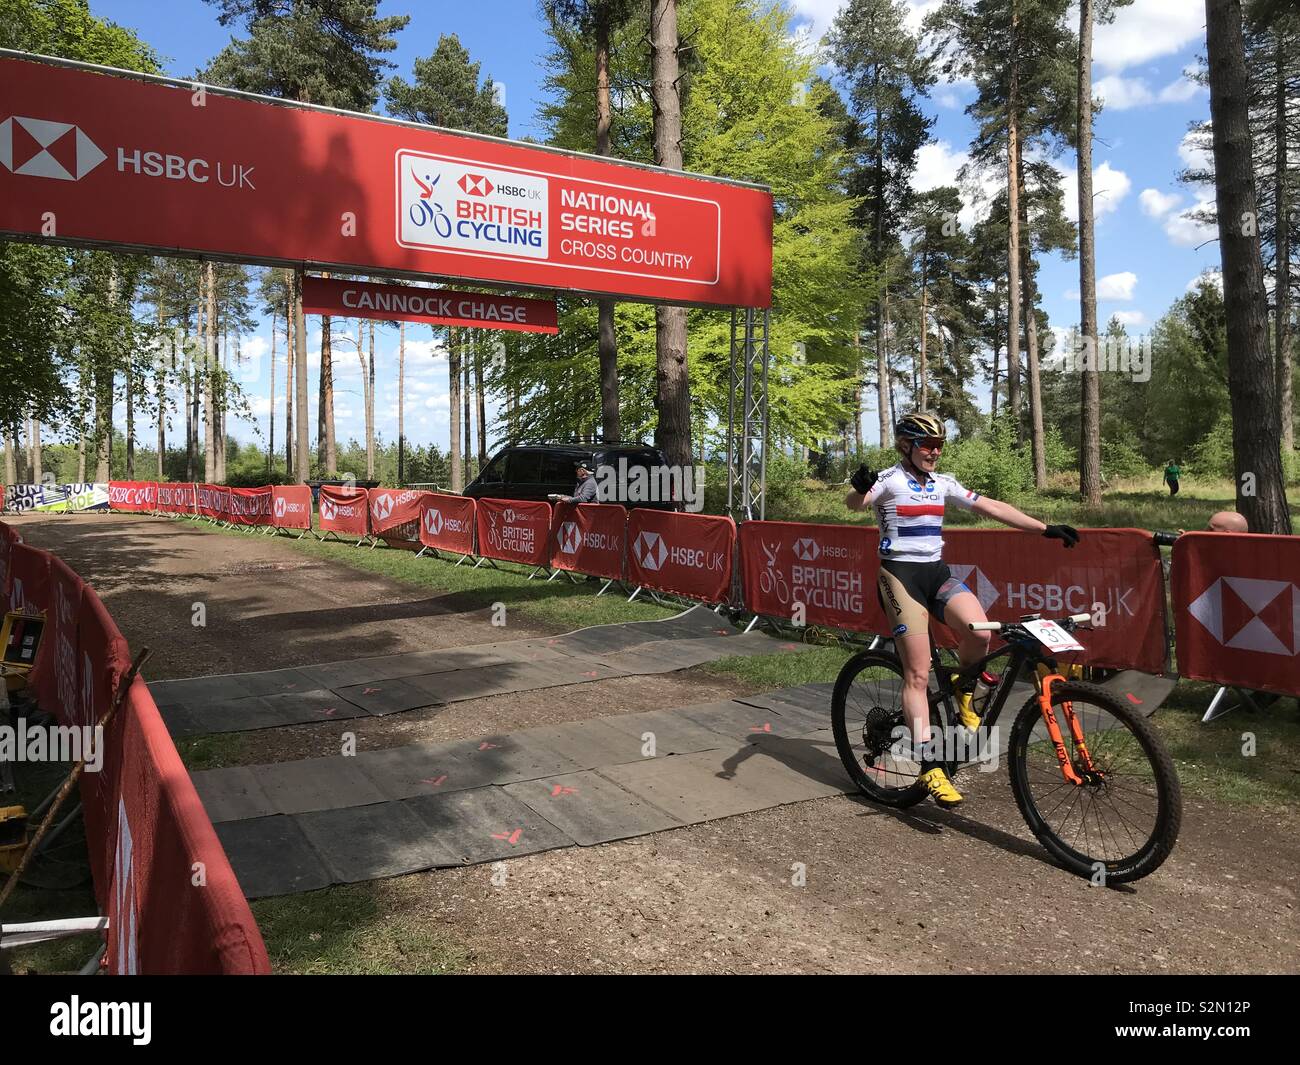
(958, 614)
(914, 651)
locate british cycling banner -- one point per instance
(344, 510)
(1236, 603)
(176, 498)
(514, 530)
(392, 508)
(136, 496)
(827, 573)
(291, 506)
(685, 554)
(250, 506)
(447, 522)
(589, 538)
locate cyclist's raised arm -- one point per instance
(866, 486)
(1006, 514)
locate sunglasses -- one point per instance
(930, 443)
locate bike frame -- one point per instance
(1021, 650)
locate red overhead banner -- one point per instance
(589, 538)
(291, 506)
(344, 510)
(438, 306)
(686, 554)
(1236, 603)
(447, 522)
(125, 160)
(513, 530)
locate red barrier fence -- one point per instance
(291, 506)
(211, 501)
(250, 506)
(176, 498)
(159, 871)
(589, 538)
(447, 523)
(829, 569)
(684, 554)
(136, 496)
(344, 510)
(514, 530)
(1236, 599)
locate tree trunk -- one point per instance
(81, 460)
(466, 358)
(482, 407)
(290, 365)
(130, 423)
(11, 457)
(1282, 283)
(1031, 333)
(1090, 398)
(401, 402)
(370, 407)
(857, 391)
(925, 392)
(302, 453)
(34, 450)
(607, 341)
(270, 443)
(453, 401)
(160, 389)
(673, 396)
(997, 355)
(209, 369)
(1252, 382)
(887, 400)
(1013, 226)
(187, 360)
(326, 445)
(103, 384)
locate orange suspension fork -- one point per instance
(1054, 730)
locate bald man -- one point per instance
(1228, 521)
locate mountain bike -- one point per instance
(1089, 774)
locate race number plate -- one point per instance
(1052, 636)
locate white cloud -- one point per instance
(1215, 277)
(938, 163)
(1194, 156)
(1181, 90)
(1117, 286)
(1185, 231)
(1130, 318)
(1158, 204)
(1119, 93)
(1145, 31)
(1109, 187)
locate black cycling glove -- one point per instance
(1065, 533)
(864, 480)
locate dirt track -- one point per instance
(930, 891)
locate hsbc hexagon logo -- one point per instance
(650, 550)
(38, 147)
(329, 511)
(382, 507)
(973, 577)
(475, 185)
(281, 506)
(1251, 614)
(806, 549)
(433, 522)
(570, 538)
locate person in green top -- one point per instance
(1172, 473)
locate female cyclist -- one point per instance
(915, 582)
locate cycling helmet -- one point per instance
(920, 424)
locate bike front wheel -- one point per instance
(1121, 823)
(867, 719)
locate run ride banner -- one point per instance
(1236, 603)
(685, 554)
(589, 538)
(128, 160)
(447, 523)
(436, 306)
(344, 510)
(291, 506)
(513, 530)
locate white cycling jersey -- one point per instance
(910, 513)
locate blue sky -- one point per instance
(1146, 247)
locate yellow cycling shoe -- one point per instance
(937, 784)
(965, 714)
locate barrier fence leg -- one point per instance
(754, 621)
(554, 574)
(634, 593)
(605, 587)
(463, 557)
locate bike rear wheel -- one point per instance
(866, 711)
(1122, 822)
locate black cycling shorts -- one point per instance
(910, 591)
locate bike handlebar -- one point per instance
(998, 626)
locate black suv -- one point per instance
(535, 471)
